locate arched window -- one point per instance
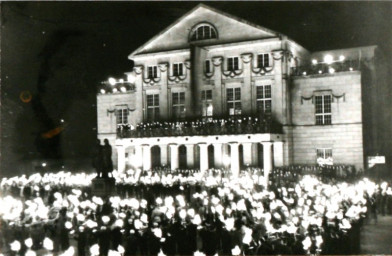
(203, 31)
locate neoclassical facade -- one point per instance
(213, 90)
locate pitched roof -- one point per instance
(199, 6)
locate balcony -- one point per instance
(199, 127)
(118, 87)
(324, 68)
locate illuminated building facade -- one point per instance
(286, 105)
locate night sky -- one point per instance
(57, 53)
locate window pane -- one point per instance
(230, 95)
(200, 33)
(182, 97)
(236, 63)
(268, 106)
(237, 93)
(267, 91)
(266, 60)
(207, 33)
(319, 119)
(175, 98)
(319, 104)
(230, 64)
(327, 103)
(208, 68)
(327, 119)
(209, 95)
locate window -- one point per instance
(152, 107)
(234, 101)
(206, 95)
(121, 115)
(152, 72)
(177, 69)
(232, 63)
(263, 99)
(323, 109)
(208, 66)
(263, 60)
(207, 106)
(324, 156)
(178, 105)
(203, 31)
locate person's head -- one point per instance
(106, 141)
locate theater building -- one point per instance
(211, 66)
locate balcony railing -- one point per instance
(119, 87)
(228, 126)
(323, 68)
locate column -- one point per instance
(163, 155)
(234, 157)
(174, 160)
(218, 155)
(278, 154)
(247, 151)
(146, 157)
(267, 155)
(120, 158)
(203, 157)
(138, 157)
(190, 153)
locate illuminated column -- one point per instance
(190, 153)
(174, 160)
(278, 154)
(138, 157)
(120, 158)
(267, 157)
(203, 157)
(163, 154)
(247, 152)
(218, 155)
(234, 157)
(146, 157)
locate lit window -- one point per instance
(203, 31)
(208, 66)
(263, 99)
(178, 105)
(207, 106)
(263, 60)
(152, 72)
(122, 115)
(324, 156)
(323, 109)
(232, 63)
(152, 107)
(233, 101)
(178, 69)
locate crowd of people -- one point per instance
(186, 212)
(208, 126)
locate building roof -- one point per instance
(224, 20)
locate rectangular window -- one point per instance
(233, 101)
(178, 105)
(121, 115)
(208, 66)
(207, 106)
(232, 63)
(152, 72)
(206, 95)
(178, 69)
(324, 156)
(323, 109)
(153, 107)
(263, 60)
(263, 99)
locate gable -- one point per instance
(229, 29)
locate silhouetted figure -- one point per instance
(107, 159)
(98, 159)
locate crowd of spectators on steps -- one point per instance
(186, 212)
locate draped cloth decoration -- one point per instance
(110, 111)
(306, 98)
(337, 97)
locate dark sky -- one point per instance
(60, 51)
